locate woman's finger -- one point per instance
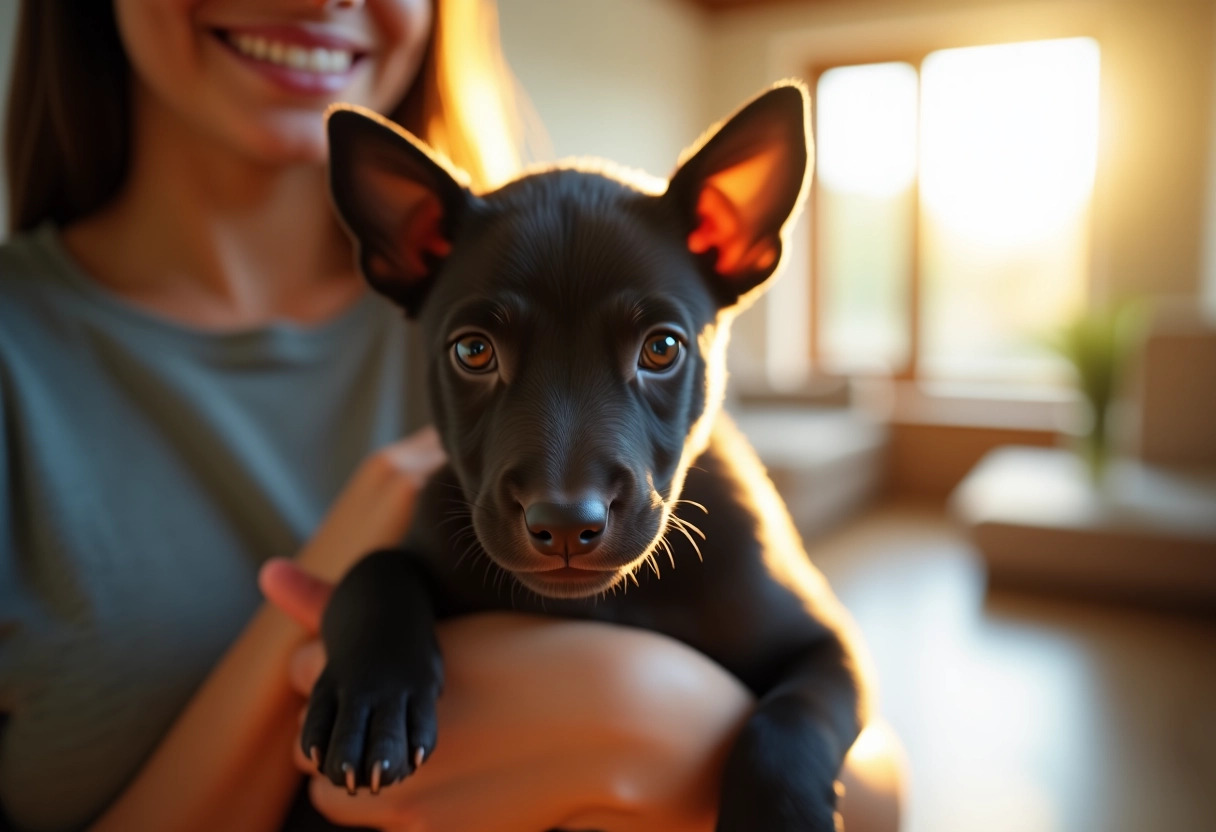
(421, 452)
(295, 592)
(297, 752)
(386, 810)
(375, 506)
(305, 666)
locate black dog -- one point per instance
(575, 327)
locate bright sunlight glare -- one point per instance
(866, 129)
(1009, 138)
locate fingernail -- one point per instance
(350, 777)
(314, 754)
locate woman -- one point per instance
(193, 379)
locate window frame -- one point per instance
(910, 371)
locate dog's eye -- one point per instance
(659, 352)
(475, 353)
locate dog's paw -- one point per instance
(779, 777)
(783, 812)
(370, 733)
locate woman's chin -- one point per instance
(286, 139)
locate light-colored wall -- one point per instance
(625, 80)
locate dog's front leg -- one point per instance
(781, 774)
(371, 719)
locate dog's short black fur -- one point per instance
(575, 326)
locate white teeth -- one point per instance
(317, 59)
(297, 57)
(339, 60)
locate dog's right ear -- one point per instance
(399, 202)
(740, 187)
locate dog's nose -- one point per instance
(566, 528)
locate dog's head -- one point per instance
(575, 323)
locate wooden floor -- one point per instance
(1020, 713)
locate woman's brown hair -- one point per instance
(68, 123)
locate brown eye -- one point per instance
(659, 352)
(475, 353)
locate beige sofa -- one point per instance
(1147, 531)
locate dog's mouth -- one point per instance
(569, 581)
(562, 573)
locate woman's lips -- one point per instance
(297, 60)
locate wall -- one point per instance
(622, 79)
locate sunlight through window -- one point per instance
(987, 153)
(1009, 138)
(866, 135)
(867, 129)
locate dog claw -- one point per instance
(377, 773)
(349, 770)
(419, 756)
(314, 754)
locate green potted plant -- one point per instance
(1099, 345)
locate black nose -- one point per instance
(566, 528)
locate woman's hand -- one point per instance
(544, 724)
(375, 507)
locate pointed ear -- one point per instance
(740, 185)
(399, 202)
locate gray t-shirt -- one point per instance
(146, 470)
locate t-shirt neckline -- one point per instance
(287, 336)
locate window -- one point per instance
(951, 210)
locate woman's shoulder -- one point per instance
(31, 273)
(24, 255)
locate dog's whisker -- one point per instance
(468, 550)
(681, 527)
(684, 524)
(666, 546)
(456, 517)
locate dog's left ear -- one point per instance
(398, 200)
(740, 186)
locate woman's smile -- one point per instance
(300, 60)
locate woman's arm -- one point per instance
(547, 724)
(224, 763)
